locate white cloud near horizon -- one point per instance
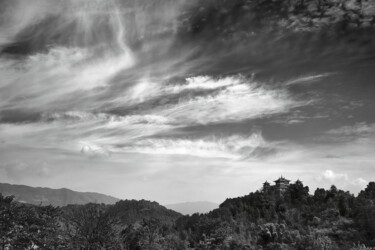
(342, 179)
(332, 176)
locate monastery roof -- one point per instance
(282, 179)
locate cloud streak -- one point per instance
(203, 99)
(150, 129)
(233, 147)
(361, 129)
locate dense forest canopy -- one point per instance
(265, 219)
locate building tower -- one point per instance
(281, 185)
(266, 187)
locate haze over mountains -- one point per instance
(189, 208)
(63, 197)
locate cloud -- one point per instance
(88, 133)
(20, 14)
(205, 83)
(233, 147)
(102, 135)
(190, 101)
(332, 176)
(307, 79)
(294, 121)
(81, 93)
(240, 100)
(361, 129)
(157, 90)
(343, 180)
(94, 151)
(45, 82)
(362, 183)
(109, 119)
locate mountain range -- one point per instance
(63, 197)
(55, 197)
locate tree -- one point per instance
(297, 193)
(369, 192)
(26, 226)
(131, 238)
(320, 195)
(343, 205)
(7, 225)
(90, 227)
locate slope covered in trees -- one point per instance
(326, 219)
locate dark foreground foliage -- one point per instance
(328, 219)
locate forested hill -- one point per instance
(328, 219)
(265, 219)
(132, 211)
(55, 197)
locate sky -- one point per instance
(84, 106)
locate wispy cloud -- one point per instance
(242, 99)
(200, 100)
(361, 129)
(46, 82)
(233, 147)
(307, 79)
(82, 131)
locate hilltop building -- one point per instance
(281, 185)
(266, 186)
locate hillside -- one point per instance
(132, 211)
(55, 197)
(272, 218)
(267, 219)
(292, 219)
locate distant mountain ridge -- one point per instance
(55, 197)
(63, 197)
(189, 208)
